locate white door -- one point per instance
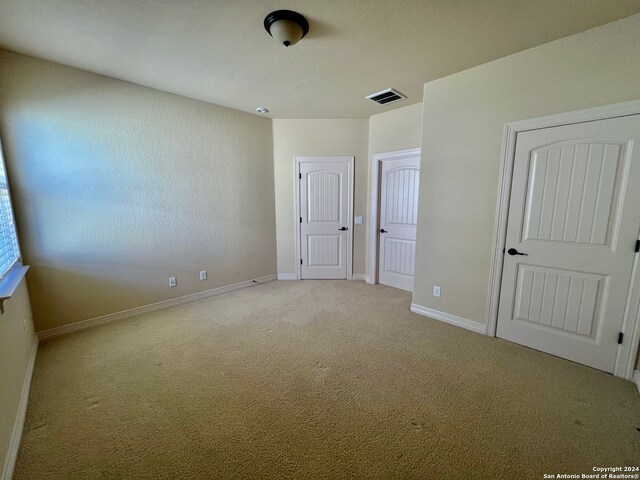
(574, 212)
(325, 218)
(399, 181)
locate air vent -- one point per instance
(386, 96)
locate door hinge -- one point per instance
(620, 337)
(637, 246)
(300, 261)
(300, 176)
(300, 219)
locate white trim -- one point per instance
(500, 229)
(296, 202)
(591, 114)
(374, 223)
(18, 425)
(636, 379)
(448, 318)
(10, 282)
(359, 276)
(154, 307)
(287, 276)
(628, 351)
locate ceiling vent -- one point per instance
(386, 96)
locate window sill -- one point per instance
(10, 282)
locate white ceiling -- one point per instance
(218, 50)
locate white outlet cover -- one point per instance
(358, 220)
(203, 275)
(436, 291)
(172, 281)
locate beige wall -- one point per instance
(116, 187)
(464, 115)
(399, 129)
(16, 345)
(317, 138)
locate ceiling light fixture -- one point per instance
(286, 27)
(262, 110)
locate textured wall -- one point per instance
(16, 343)
(116, 187)
(317, 138)
(464, 115)
(399, 129)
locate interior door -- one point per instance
(399, 181)
(324, 218)
(572, 228)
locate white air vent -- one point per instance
(386, 96)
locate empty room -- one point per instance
(319, 239)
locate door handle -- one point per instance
(382, 230)
(343, 229)
(513, 251)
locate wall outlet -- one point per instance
(172, 281)
(436, 290)
(203, 275)
(358, 220)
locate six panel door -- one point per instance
(572, 227)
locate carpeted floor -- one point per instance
(315, 379)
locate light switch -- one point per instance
(358, 220)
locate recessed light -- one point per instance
(261, 110)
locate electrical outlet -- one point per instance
(172, 281)
(203, 275)
(436, 290)
(358, 220)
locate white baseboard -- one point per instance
(18, 425)
(636, 379)
(287, 276)
(293, 276)
(134, 312)
(448, 318)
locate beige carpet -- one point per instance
(314, 379)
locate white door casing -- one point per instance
(325, 211)
(399, 182)
(573, 210)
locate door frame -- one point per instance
(296, 201)
(374, 214)
(625, 359)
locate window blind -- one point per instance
(9, 250)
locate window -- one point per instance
(9, 250)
